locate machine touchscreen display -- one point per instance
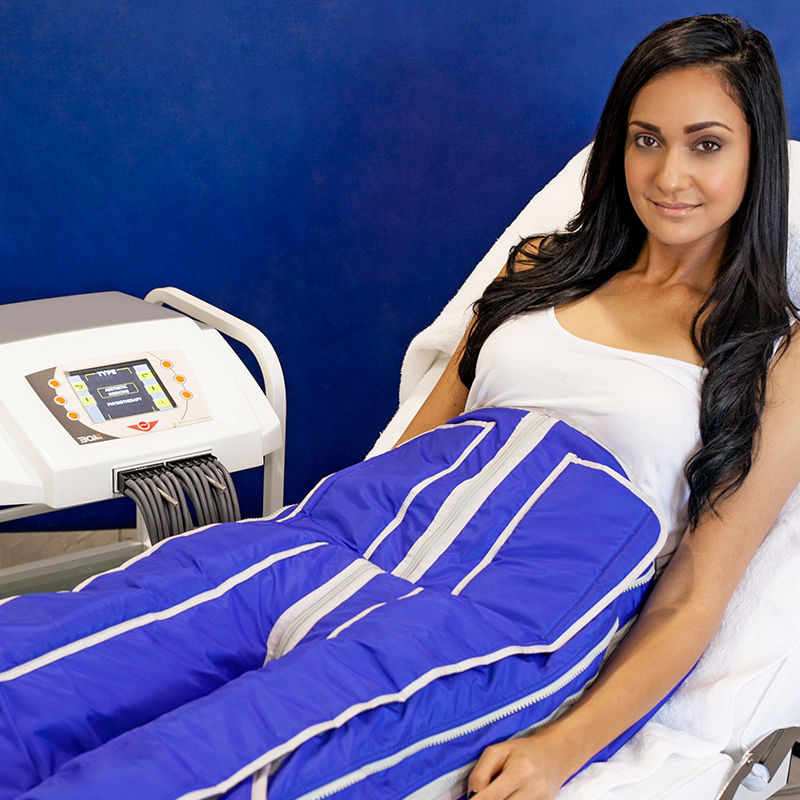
(120, 390)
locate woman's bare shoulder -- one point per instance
(524, 255)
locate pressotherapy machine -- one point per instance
(105, 395)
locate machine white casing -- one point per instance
(41, 463)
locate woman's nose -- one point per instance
(673, 173)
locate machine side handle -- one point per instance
(262, 349)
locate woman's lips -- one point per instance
(674, 209)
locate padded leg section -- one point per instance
(210, 745)
(80, 668)
(503, 539)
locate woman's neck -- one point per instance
(694, 266)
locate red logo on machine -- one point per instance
(144, 426)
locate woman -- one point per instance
(690, 269)
(694, 135)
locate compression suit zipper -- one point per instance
(357, 775)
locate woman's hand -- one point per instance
(528, 768)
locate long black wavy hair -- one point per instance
(748, 308)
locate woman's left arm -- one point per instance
(676, 623)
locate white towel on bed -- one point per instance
(549, 210)
(759, 634)
(761, 629)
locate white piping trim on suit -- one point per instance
(487, 427)
(357, 775)
(291, 626)
(465, 500)
(361, 614)
(400, 696)
(258, 790)
(146, 554)
(302, 504)
(423, 680)
(271, 517)
(512, 525)
(153, 616)
(569, 458)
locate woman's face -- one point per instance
(687, 154)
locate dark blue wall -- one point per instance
(329, 171)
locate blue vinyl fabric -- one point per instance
(368, 642)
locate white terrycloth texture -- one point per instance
(760, 631)
(549, 210)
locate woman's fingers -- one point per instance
(503, 787)
(488, 765)
(513, 770)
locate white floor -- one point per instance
(55, 561)
(21, 548)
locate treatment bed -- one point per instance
(337, 586)
(741, 703)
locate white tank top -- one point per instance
(644, 408)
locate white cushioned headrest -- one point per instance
(552, 207)
(745, 685)
(549, 209)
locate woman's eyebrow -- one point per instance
(697, 126)
(648, 126)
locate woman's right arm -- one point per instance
(449, 396)
(447, 399)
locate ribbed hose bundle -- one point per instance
(166, 495)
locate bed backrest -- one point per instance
(549, 209)
(743, 686)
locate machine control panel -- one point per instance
(101, 383)
(98, 400)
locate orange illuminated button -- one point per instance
(186, 394)
(54, 383)
(166, 364)
(60, 400)
(180, 379)
(73, 415)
